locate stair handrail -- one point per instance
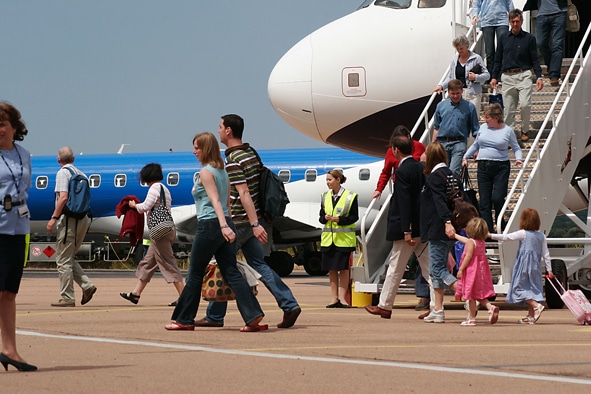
(520, 179)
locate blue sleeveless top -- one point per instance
(202, 203)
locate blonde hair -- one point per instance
(477, 229)
(210, 150)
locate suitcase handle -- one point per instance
(559, 284)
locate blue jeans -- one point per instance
(551, 29)
(421, 285)
(210, 242)
(438, 251)
(252, 249)
(493, 182)
(455, 152)
(489, 33)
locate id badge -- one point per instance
(23, 211)
(7, 202)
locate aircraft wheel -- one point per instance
(281, 262)
(313, 264)
(552, 298)
(585, 275)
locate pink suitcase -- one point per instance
(576, 302)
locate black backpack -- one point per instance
(461, 210)
(272, 195)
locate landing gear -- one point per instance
(281, 262)
(313, 264)
(552, 298)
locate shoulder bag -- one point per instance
(160, 221)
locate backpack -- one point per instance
(461, 210)
(272, 195)
(78, 205)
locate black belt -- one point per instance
(513, 70)
(451, 138)
(15, 203)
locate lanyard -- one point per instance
(16, 181)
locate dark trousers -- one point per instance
(493, 181)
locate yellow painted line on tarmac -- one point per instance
(334, 360)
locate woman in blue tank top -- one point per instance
(215, 237)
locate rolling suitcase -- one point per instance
(576, 302)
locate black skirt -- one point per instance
(335, 259)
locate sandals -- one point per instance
(130, 297)
(526, 320)
(538, 312)
(493, 314)
(176, 326)
(256, 328)
(468, 322)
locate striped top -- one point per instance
(242, 166)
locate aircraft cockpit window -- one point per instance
(311, 175)
(364, 174)
(399, 4)
(172, 179)
(120, 180)
(431, 3)
(94, 181)
(41, 182)
(284, 175)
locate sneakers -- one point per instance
(435, 317)
(87, 295)
(538, 312)
(63, 303)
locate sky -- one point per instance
(97, 74)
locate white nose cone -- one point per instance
(290, 88)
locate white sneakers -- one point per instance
(435, 317)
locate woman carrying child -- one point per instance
(526, 283)
(474, 277)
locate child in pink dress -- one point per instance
(474, 277)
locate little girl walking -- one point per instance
(474, 277)
(526, 283)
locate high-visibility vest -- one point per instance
(334, 233)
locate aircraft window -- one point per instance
(285, 175)
(311, 175)
(94, 181)
(172, 179)
(395, 4)
(365, 4)
(364, 174)
(431, 3)
(120, 180)
(41, 182)
(353, 81)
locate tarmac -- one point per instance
(113, 346)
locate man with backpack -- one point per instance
(71, 221)
(243, 167)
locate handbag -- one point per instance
(469, 190)
(160, 221)
(573, 22)
(494, 97)
(214, 287)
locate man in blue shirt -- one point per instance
(550, 33)
(516, 55)
(455, 119)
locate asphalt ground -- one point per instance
(111, 345)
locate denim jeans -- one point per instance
(210, 242)
(421, 285)
(254, 254)
(455, 152)
(493, 182)
(438, 251)
(551, 29)
(489, 33)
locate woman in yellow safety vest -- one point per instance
(338, 212)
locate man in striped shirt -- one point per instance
(242, 166)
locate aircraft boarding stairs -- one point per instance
(560, 137)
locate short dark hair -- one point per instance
(151, 173)
(455, 84)
(236, 123)
(515, 12)
(9, 113)
(404, 145)
(397, 132)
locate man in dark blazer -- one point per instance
(403, 225)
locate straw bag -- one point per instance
(160, 221)
(214, 287)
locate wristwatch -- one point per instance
(255, 224)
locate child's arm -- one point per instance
(546, 257)
(518, 235)
(461, 238)
(468, 252)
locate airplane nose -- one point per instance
(290, 88)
